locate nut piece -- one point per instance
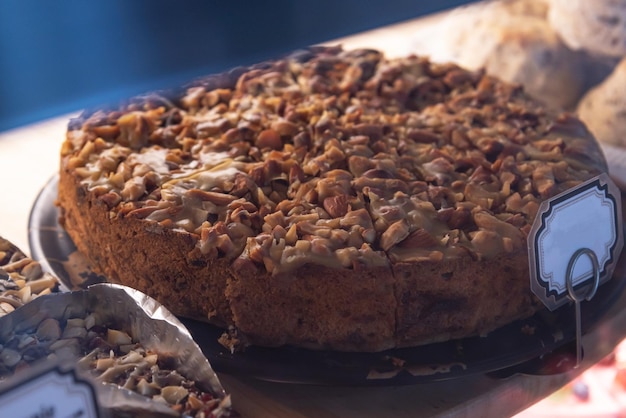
(336, 206)
(269, 138)
(396, 233)
(115, 337)
(174, 394)
(48, 330)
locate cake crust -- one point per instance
(330, 200)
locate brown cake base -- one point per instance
(315, 306)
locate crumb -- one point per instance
(231, 340)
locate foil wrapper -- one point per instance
(146, 320)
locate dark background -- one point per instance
(58, 56)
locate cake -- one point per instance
(329, 199)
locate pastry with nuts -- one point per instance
(21, 278)
(331, 199)
(111, 356)
(137, 357)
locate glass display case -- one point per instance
(65, 57)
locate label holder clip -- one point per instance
(577, 298)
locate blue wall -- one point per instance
(58, 56)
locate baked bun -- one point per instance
(533, 8)
(603, 108)
(598, 26)
(511, 40)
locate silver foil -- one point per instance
(145, 319)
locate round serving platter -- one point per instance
(534, 346)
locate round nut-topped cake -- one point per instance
(331, 199)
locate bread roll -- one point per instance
(603, 108)
(511, 40)
(598, 26)
(596, 68)
(535, 8)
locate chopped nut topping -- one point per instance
(336, 158)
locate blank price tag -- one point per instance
(574, 245)
(569, 230)
(49, 392)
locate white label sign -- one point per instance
(587, 216)
(53, 394)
